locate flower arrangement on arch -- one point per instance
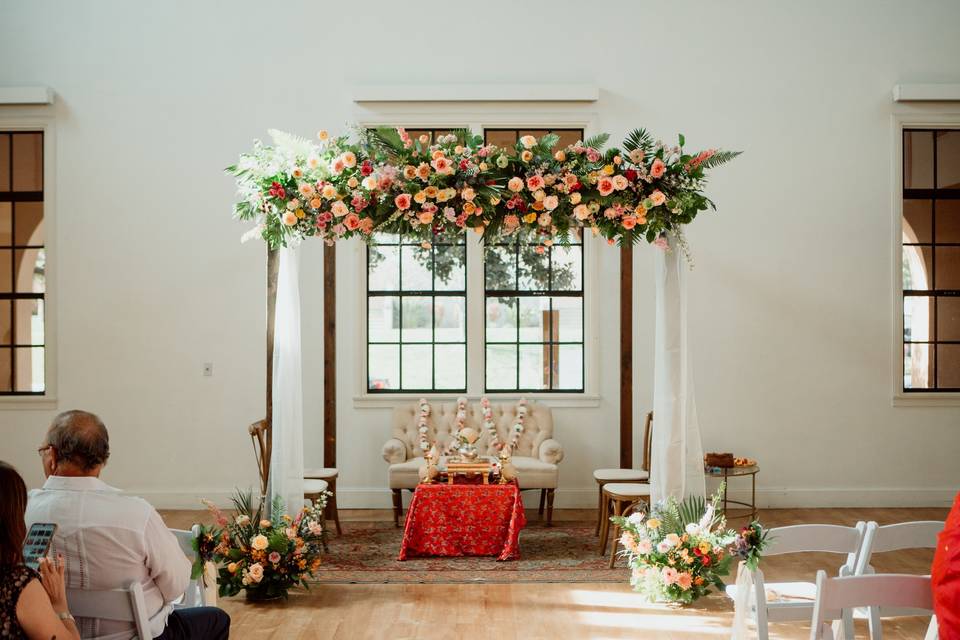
(385, 181)
(679, 551)
(265, 556)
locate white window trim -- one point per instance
(917, 117)
(494, 116)
(38, 118)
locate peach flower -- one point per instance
(329, 192)
(657, 169)
(352, 222)
(636, 156)
(684, 580)
(338, 166)
(409, 172)
(339, 209)
(420, 197)
(581, 212)
(550, 203)
(369, 183)
(366, 226)
(515, 184)
(306, 189)
(425, 217)
(669, 575)
(259, 542)
(289, 218)
(528, 142)
(657, 198)
(526, 156)
(605, 186)
(255, 572)
(402, 201)
(629, 222)
(535, 182)
(511, 222)
(431, 191)
(620, 182)
(443, 166)
(316, 203)
(423, 171)
(349, 159)
(575, 197)
(468, 194)
(560, 156)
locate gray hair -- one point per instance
(81, 438)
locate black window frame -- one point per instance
(935, 294)
(13, 296)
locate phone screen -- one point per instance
(37, 543)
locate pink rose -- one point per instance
(403, 201)
(339, 209)
(669, 575)
(657, 169)
(535, 182)
(352, 221)
(274, 557)
(657, 198)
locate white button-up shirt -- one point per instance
(108, 540)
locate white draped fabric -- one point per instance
(286, 463)
(676, 458)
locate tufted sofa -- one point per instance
(535, 457)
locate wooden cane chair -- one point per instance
(621, 498)
(641, 475)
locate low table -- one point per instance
(464, 520)
(725, 474)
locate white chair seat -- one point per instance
(311, 487)
(405, 475)
(535, 474)
(627, 488)
(324, 473)
(620, 475)
(793, 600)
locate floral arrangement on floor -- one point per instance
(385, 181)
(680, 550)
(491, 427)
(264, 556)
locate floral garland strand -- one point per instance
(491, 427)
(386, 181)
(459, 421)
(422, 426)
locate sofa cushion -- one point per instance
(533, 474)
(406, 475)
(621, 475)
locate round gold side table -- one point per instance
(725, 473)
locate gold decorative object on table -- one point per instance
(457, 467)
(507, 471)
(429, 472)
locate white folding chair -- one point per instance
(124, 605)
(195, 595)
(836, 596)
(921, 534)
(783, 601)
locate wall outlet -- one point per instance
(207, 369)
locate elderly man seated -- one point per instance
(109, 539)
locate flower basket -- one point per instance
(264, 556)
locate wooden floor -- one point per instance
(547, 611)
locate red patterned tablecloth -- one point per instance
(464, 520)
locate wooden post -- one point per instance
(329, 355)
(273, 271)
(626, 357)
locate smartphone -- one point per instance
(38, 543)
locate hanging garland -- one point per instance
(422, 425)
(386, 181)
(459, 422)
(491, 427)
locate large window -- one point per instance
(22, 262)
(530, 334)
(931, 260)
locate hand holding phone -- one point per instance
(37, 543)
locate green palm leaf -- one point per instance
(719, 158)
(597, 141)
(638, 139)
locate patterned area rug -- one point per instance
(567, 552)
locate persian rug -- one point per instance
(567, 552)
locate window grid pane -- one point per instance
(931, 260)
(22, 264)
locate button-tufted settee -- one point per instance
(535, 457)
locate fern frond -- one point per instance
(719, 158)
(464, 136)
(386, 141)
(597, 141)
(548, 142)
(299, 145)
(638, 139)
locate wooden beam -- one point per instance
(330, 356)
(266, 449)
(626, 357)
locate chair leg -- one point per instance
(618, 510)
(332, 506)
(550, 493)
(599, 508)
(397, 506)
(543, 497)
(604, 526)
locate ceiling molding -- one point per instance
(477, 93)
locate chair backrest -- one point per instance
(537, 426)
(195, 595)
(880, 590)
(647, 441)
(124, 605)
(830, 538)
(921, 534)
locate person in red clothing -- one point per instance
(945, 576)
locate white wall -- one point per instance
(791, 290)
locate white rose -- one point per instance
(528, 142)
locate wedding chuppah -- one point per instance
(385, 181)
